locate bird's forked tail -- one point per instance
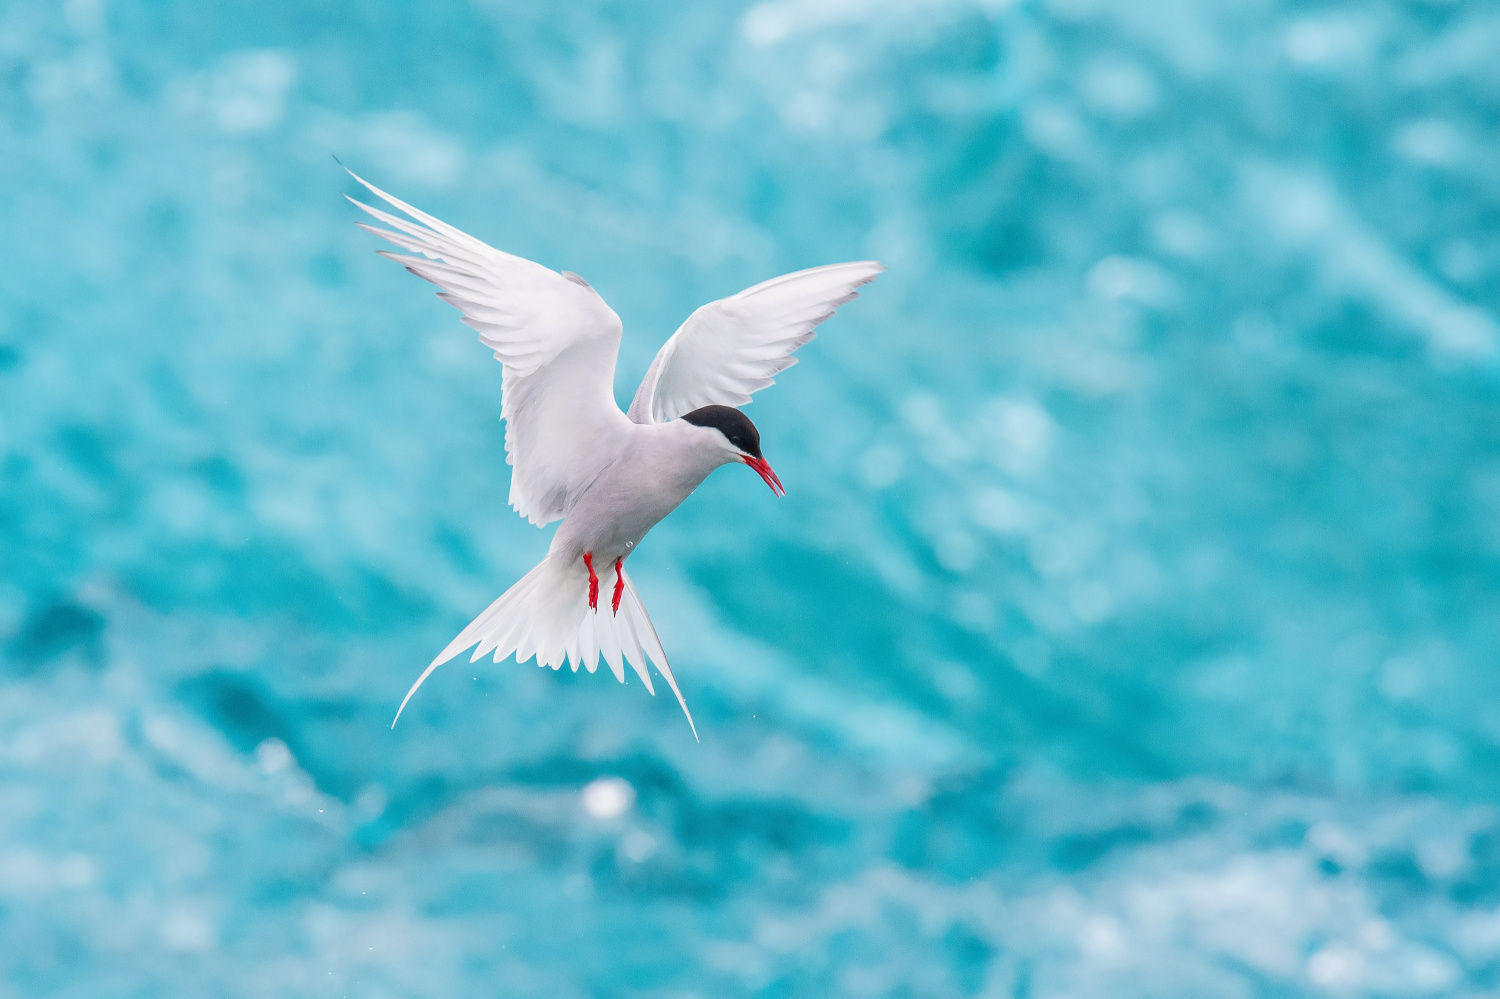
(546, 614)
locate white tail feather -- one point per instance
(546, 614)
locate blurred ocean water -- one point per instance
(1129, 628)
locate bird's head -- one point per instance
(740, 439)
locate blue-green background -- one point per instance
(1129, 628)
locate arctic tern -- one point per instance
(608, 475)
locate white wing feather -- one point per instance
(556, 337)
(729, 349)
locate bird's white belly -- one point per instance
(629, 497)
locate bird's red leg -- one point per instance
(619, 588)
(588, 561)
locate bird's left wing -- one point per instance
(734, 347)
(556, 337)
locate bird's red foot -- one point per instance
(588, 561)
(619, 588)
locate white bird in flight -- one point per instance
(608, 476)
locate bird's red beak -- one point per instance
(763, 469)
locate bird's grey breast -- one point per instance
(648, 478)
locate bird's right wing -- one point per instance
(734, 347)
(556, 337)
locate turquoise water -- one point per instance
(1129, 627)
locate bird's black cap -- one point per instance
(734, 425)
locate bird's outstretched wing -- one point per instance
(555, 336)
(734, 347)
